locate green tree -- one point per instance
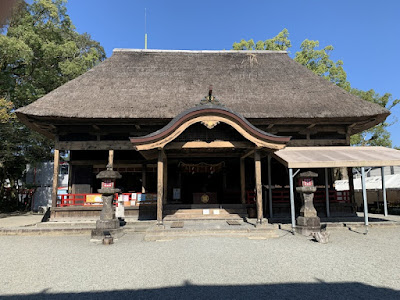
(279, 42)
(378, 135)
(39, 51)
(319, 61)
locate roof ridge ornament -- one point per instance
(210, 99)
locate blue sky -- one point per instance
(364, 33)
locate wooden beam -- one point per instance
(242, 181)
(88, 162)
(165, 180)
(150, 154)
(205, 145)
(257, 165)
(306, 121)
(55, 177)
(203, 154)
(304, 128)
(94, 145)
(322, 142)
(248, 153)
(160, 186)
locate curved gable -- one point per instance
(210, 116)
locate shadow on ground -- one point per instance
(318, 290)
(287, 220)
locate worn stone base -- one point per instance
(99, 234)
(307, 226)
(307, 231)
(108, 224)
(308, 222)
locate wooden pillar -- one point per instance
(111, 157)
(292, 208)
(257, 163)
(144, 178)
(55, 177)
(165, 180)
(328, 211)
(385, 209)
(351, 189)
(270, 187)
(364, 193)
(242, 181)
(70, 178)
(160, 187)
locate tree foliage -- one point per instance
(279, 42)
(42, 51)
(320, 62)
(378, 135)
(39, 51)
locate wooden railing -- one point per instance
(283, 196)
(278, 196)
(82, 199)
(334, 196)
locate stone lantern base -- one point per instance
(308, 222)
(308, 225)
(105, 228)
(108, 225)
(100, 234)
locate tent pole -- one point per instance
(328, 213)
(364, 193)
(385, 210)
(292, 198)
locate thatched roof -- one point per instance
(161, 84)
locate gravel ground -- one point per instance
(351, 266)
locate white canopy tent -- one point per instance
(333, 157)
(371, 183)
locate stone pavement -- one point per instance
(30, 224)
(19, 220)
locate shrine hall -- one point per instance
(203, 135)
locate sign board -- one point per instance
(93, 198)
(307, 182)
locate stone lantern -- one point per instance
(308, 222)
(108, 223)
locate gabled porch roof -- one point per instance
(331, 157)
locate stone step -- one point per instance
(204, 217)
(212, 211)
(212, 228)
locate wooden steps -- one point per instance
(205, 214)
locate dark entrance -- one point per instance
(207, 182)
(202, 188)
